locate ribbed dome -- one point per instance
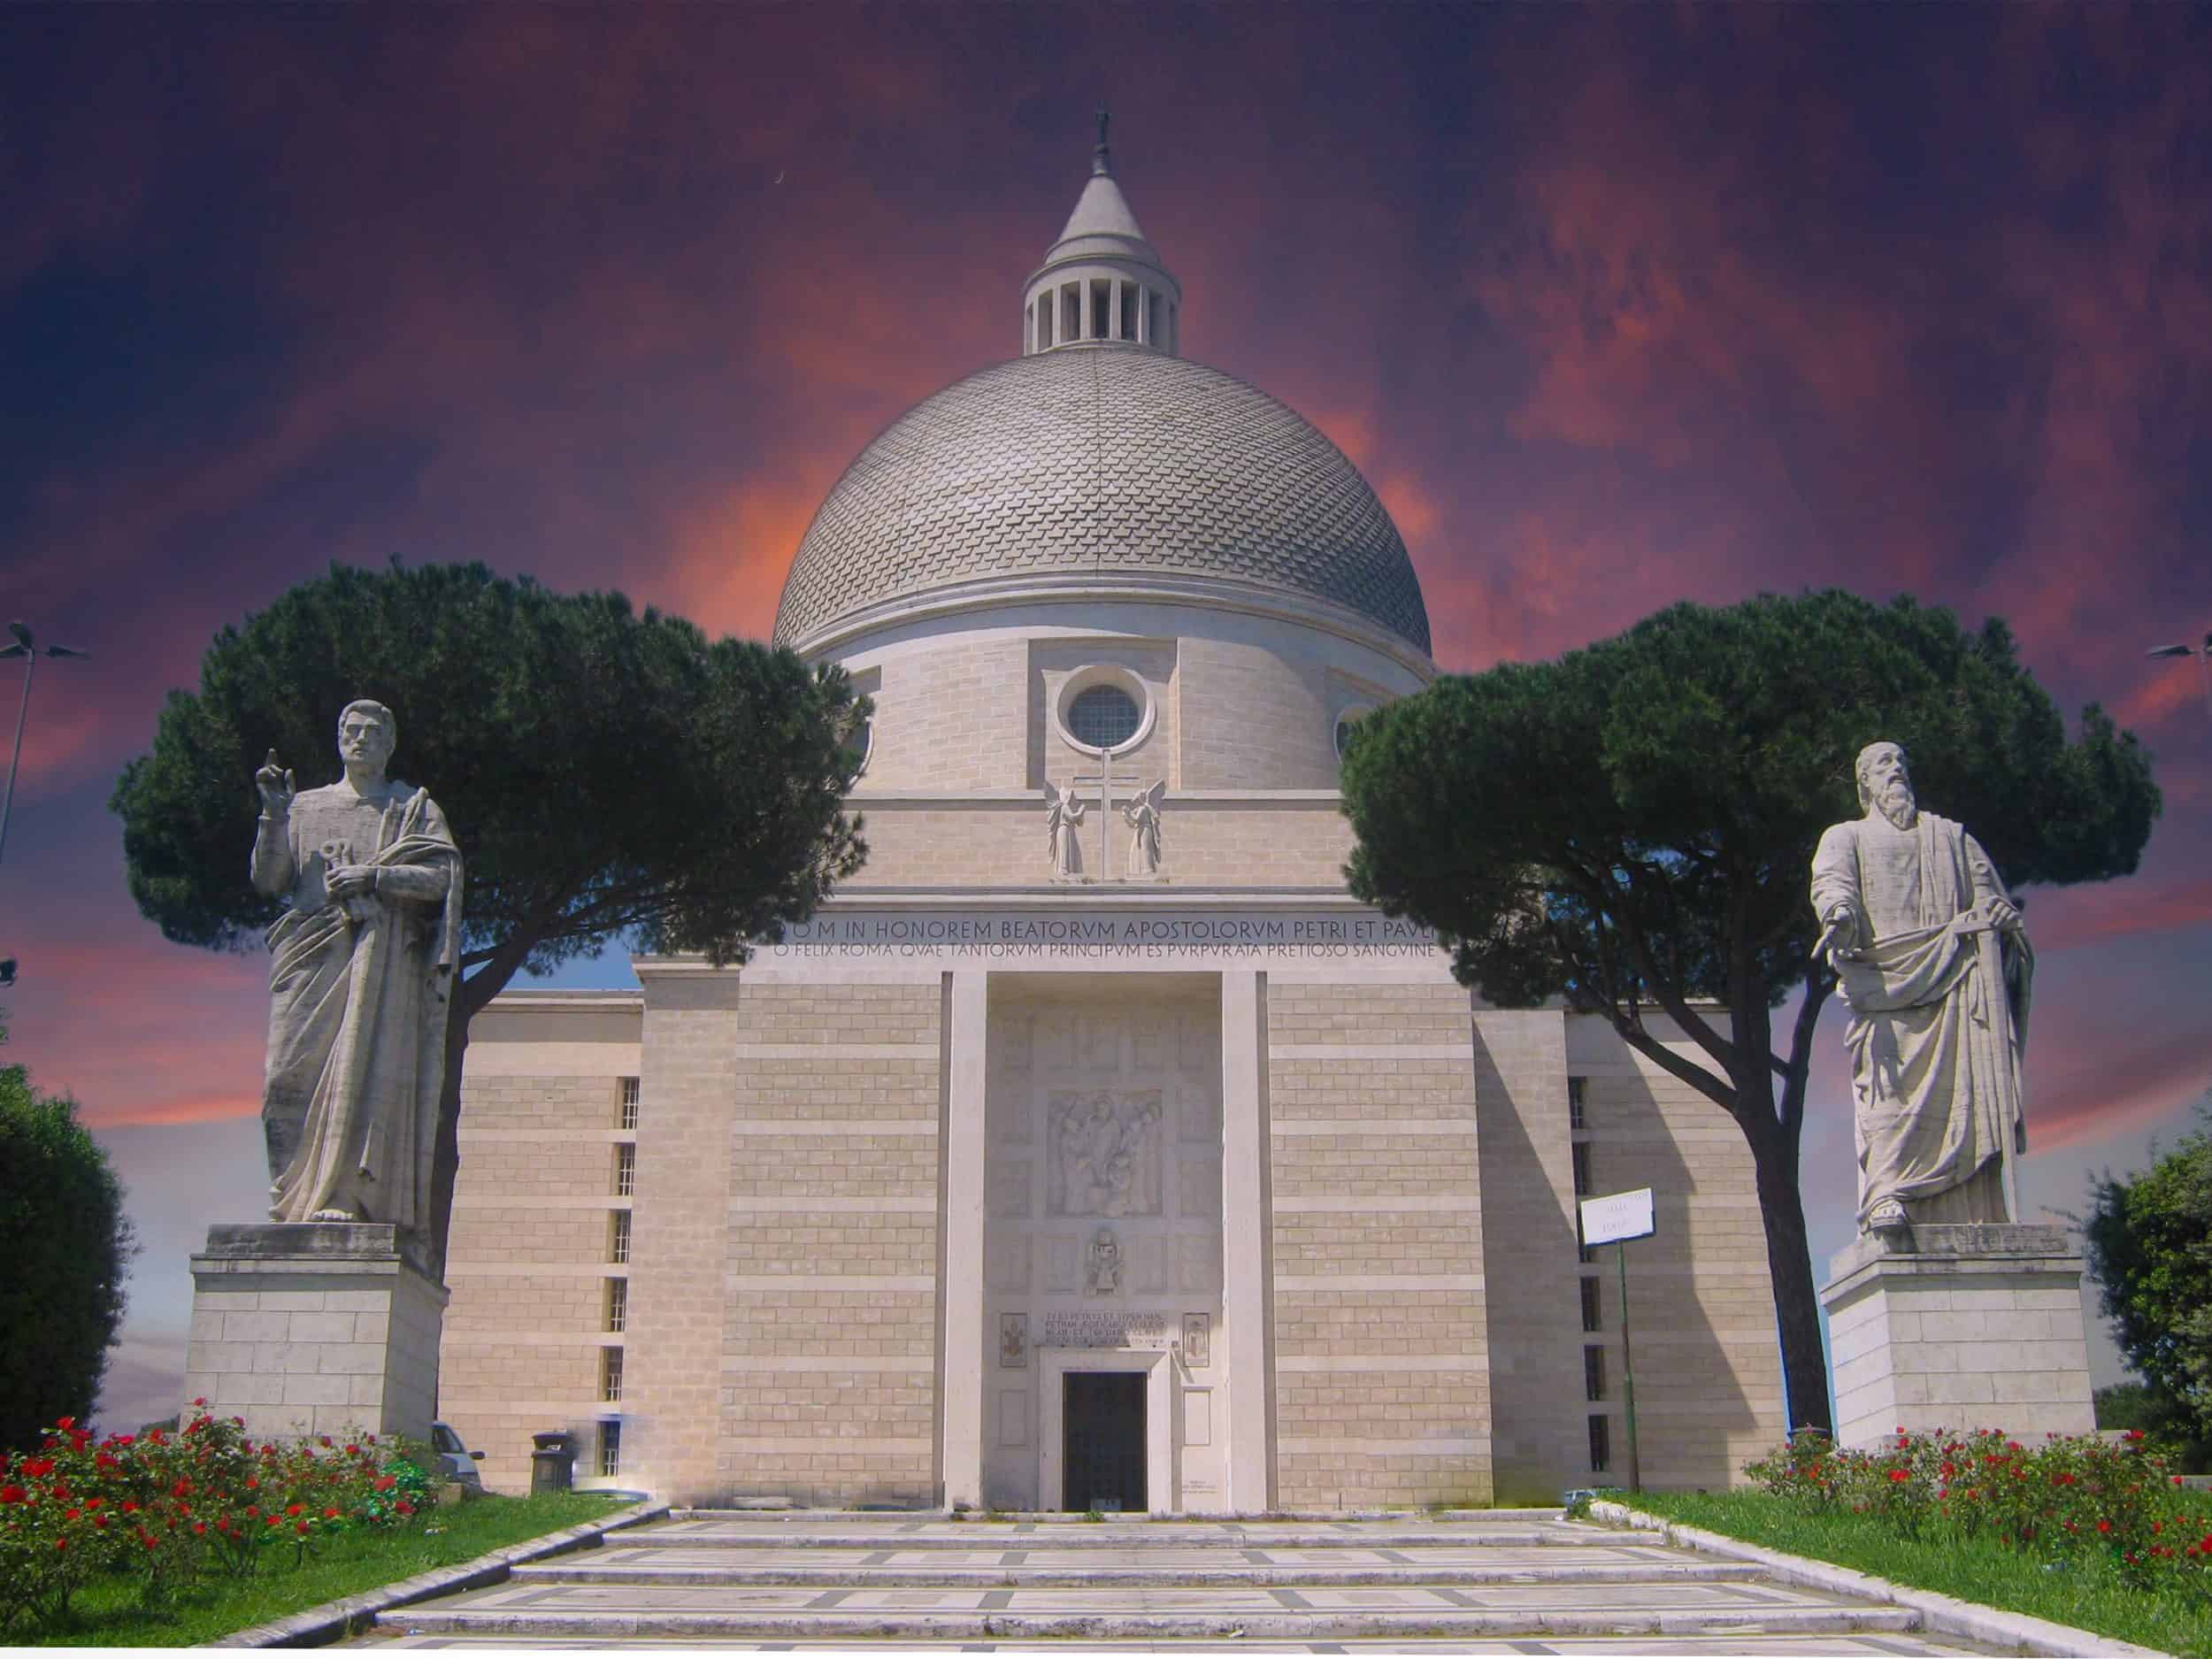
(1099, 459)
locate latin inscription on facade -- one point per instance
(1046, 936)
(1104, 1328)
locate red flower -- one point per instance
(405, 1507)
(325, 1440)
(72, 1515)
(303, 1527)
(1899, 1475)
(99, 1520)
(276, 1520)
(351, 1451)
(65, 1422)
(13, 1495)
(253, 1483)
(292, 1509)
(199, 1526)
(35, 1467)
(146, 1538)
(2104, 1526)
(129, 1508)
(199, 1400)
(330, 1515)
(385, 1483)
(61, 1542)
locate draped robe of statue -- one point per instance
(1939, 1001)
(359, 990)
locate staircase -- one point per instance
(1523, 1581)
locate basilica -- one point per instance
(1093, 1149)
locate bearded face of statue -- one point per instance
(1886, 786)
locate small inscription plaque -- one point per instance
(1104, 1328)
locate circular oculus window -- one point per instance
(1103, 708)
(1350, 718)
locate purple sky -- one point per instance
(1613, 307)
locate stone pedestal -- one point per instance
(314, 1327)
(1960, 1327)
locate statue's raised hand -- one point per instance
(277, 788)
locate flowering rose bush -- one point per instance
(171, 1507)
(2065, 1497)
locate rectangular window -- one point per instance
(1578, 1101)
(619, 1244)
(1070, 312)
(1044, 322)
(1590, 1309)
(609, 1448)
(1152, 316)
(618, 1304)
(626, 1171)
(628, 1118)
(1601, 1443)
(611, 1375)
(1582, 1168)
(1129, 310)
(1102, 302)
(1593, 1373)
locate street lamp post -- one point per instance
(26, 647)
(2202, 653)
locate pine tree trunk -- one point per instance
(1796, 1301)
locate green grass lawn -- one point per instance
(2088, 1594)
(107, 1613)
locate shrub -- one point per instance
(2066, 1498)
(169, 1508)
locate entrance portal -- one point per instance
(1105, 1442)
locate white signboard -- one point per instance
(1616, 1216)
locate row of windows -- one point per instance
(1593, 1287)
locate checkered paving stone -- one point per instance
(815, 1583)
(1094, 460)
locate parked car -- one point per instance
(454, 1460)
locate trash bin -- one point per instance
(553, 1465)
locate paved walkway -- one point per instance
(1486, 1582)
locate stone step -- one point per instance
(1161, 1625)
(1070, 1567)
(1740, 1644)
(1310, 1585)
(727, 1533)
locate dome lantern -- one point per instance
(1102, 282)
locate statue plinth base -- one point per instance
(315, 1327)
(1958, 1326)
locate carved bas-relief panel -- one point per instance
(1105, 1153)
(1102, 1169)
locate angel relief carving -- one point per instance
(1064, 813)
(1143, 817)
(1105, 1154)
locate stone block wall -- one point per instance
(529, 1255)
(1709, 1384)
(821, 1282)
(952, 717)
(1381, 1352)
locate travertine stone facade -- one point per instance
(1709, 1384)
(1381, 1353)
(1014, 1178)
